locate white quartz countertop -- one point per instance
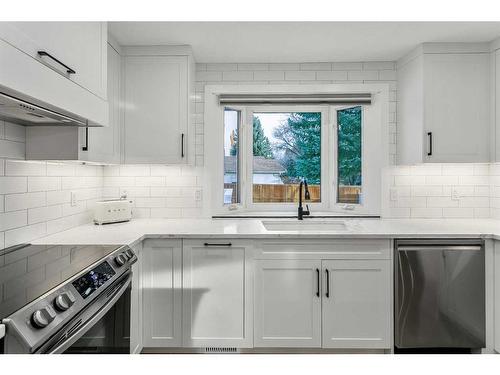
(138, 229)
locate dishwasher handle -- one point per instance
(440, 247)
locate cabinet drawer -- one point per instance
(323, 249)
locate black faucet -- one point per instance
(301, 212)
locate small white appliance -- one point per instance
(112, 211)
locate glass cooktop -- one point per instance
(29, 271)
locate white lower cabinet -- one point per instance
(136, 320)
(497, 296)
(342, 304)
(287, 303)
(162, 293)
(356, 304)
(217, 292)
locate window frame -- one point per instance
(375, 148)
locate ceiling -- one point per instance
(300, 41)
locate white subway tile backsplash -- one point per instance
(15, 202)
(300, 76)
(44, 183)
(11, 185)
(11, 220)
(25, 168)
(427, 213)
(40, 214)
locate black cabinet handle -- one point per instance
(429, 135)
(182, 145)
(45, 53)
(327, 294)
(86, 146)
(207, 244)
(317, 279)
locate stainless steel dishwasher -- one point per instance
(439, 294)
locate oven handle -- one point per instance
(94, 319)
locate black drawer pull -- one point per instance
(429, 135)
(86, 146)
(182, 145)
(207, 244)
(327, 283)
(68, 69)
(317, 279)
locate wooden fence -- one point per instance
(269, 193)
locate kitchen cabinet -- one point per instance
(217, 293)
(496, 109)
(158, 87)
(356, 304)
(95, 144)
(162, 293)
(287, 303)
(497, 296)
(136, 313)
(323, 294)
(81, 46)
(444, 104)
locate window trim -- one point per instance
(376, 138)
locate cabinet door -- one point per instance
(497, 296)
(156, 114)
(162, 296)
(79, 45)
(136, 342)
(497, 104)
(103, 144)
(457, 102)
(217, 294)
(356, 304)
(287, 303)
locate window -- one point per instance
(232, 119)
(286, 148)
(268, 148)
(349, 155)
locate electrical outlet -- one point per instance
(394, 194)
(455, 194)
(198, 195)
(73, 199)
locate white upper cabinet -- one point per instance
(77, 47)
(496, 93)
(95, 144)
(444, 104)
(158, 88)
(61, 65)
(103, 144)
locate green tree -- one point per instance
(349, 146)
(299, 140)
(261, 144)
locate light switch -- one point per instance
(394, 194)
(73, 199)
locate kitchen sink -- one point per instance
(310, 226)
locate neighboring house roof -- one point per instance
(260, 165)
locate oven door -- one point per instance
(103, 327)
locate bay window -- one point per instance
(269, 148)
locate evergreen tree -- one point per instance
(300, 145)
(349, 146)
(261, 144)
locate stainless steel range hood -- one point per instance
(19, 109)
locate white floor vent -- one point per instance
(215, 350)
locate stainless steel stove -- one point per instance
(66, 298)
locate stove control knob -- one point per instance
(129, 254)
(43, 317)
(64, 301)
(120, 260)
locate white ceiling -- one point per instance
(300, 41)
